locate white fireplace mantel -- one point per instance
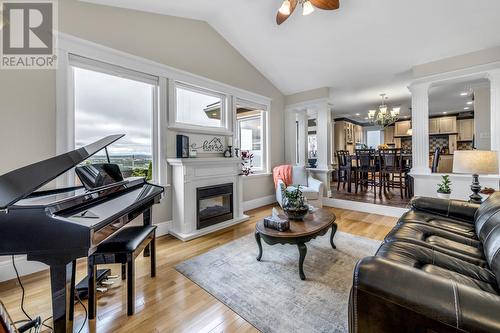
(189, 174)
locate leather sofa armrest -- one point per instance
(457, 209)
(435, 297)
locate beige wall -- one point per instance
(27, 98)
(309, 95)
(482, 118)
(459, 62)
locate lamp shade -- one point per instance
(479, 162)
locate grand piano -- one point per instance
(58, 226)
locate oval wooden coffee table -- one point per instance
(300, 232)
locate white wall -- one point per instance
(482, 118)
(27, 97)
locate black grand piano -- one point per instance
(58, 226)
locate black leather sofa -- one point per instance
(438, 270)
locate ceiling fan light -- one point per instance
(307, 8)
(285, 8)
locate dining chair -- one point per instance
(366, 169)
(435, 160)
(392, 171)
(344, 169)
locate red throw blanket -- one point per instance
(283, 172)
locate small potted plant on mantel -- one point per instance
(444, 189)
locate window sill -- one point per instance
(258, 175)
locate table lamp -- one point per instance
(475, 162)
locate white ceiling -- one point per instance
(361, 50)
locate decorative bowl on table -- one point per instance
(294, 203)
(296, 213)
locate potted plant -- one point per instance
(444, 189)
(294, 203)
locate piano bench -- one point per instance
(122, 248)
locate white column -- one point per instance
(420, 127)
(494, 77)
(302, 138)
(290, 137)
(324, 137)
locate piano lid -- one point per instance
(20, 183)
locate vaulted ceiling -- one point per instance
(364, 48)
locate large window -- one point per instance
(198, 108)
(251, 135)
(108, 104)
(373, 138)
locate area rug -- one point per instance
(270, 295)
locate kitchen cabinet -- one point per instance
(443, 125)
(401, 128)
(465, 129)
(434, 126)
(358, 134)
(389, 135)
(447, 125)
(339, 133)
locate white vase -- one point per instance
(443, 195)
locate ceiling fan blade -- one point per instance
(326, 4)
(280, 18)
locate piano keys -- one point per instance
(56, 227)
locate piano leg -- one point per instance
(62, 281)
(147, 220)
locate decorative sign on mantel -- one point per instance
(206, 144)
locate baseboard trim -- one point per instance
(365, 207)
(198, 233)
(259, 202)
(163, 228)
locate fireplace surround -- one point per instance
(206, 187)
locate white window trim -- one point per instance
(265, 123)
(65, 137)
(174, 124)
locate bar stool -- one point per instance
(122, 248)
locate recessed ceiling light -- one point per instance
(445, 112)
(357, 114)
(466, 108)
(366, 118)
(470, 102)
(464, 94)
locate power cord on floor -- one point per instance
(86, 314)
(23, 297)
(22, 288)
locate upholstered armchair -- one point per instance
(310, 187)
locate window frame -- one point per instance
(163, 126)
(265, 135)
(175, 124)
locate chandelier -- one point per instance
(383, 116)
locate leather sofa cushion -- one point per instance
(493, 202)
(437, 263)
(462, 228)
(486, 223)
(441, 240)
(456, 209)
(492, 251)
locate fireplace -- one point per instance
(214, 205)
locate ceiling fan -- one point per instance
(289, 6)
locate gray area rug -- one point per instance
(270, 295)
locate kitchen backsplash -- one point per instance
(437, 141)
(464, 145)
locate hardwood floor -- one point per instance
(390, 197)
(170, 302)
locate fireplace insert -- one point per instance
(214, 205)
